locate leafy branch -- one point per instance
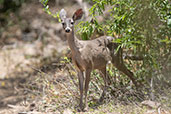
(47, 10)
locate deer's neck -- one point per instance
(73, 42)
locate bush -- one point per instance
(144, 27)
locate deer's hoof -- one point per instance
(81, 109)
(101, 100)
(86, 109)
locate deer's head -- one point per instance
(68, 23)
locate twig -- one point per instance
(38, 70)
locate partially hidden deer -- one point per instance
(91, 54)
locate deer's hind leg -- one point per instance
(121, 67)
(119, 64)
(106, 83)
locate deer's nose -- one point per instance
(67, 30)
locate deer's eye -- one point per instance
(72, 23)
(63, 24)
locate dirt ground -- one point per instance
(32, 38)
(31, 61)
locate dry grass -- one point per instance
(37, 78)
(59, 91)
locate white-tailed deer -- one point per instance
(91, 54)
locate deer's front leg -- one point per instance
(81, 81)
(88, 73)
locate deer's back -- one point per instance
(95, 53)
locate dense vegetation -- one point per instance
(143, 27)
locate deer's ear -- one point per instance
(62, 14)
(77, 15)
